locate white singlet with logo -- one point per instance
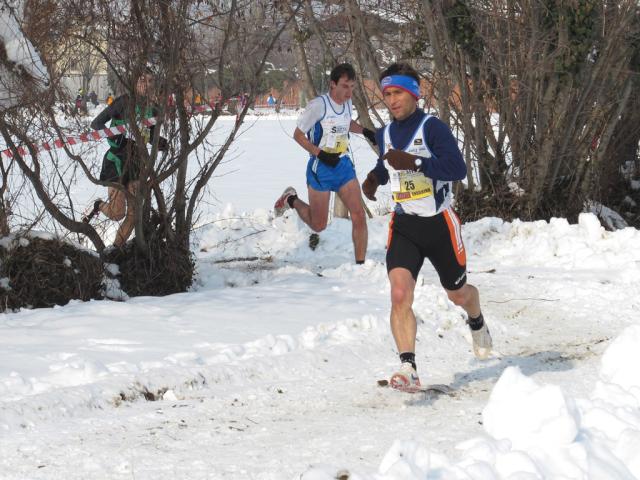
(414, 192)
(331, 131)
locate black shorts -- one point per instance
(128, 156)
(413, 238)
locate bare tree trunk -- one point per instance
(301, 56)
(606, 137)
(624, 142)
(4, 204)
(440, 43)
(366, 60)
(4, 219)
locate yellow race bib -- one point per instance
(408, 185)
(336, 144)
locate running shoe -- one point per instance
(92, 211)
(482, 342)
(314, 240)
(405, 379)
(281, 204)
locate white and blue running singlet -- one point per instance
(326, 125)
(414, 192)
(331, 132)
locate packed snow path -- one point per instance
(268, 369)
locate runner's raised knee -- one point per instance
(318, 225)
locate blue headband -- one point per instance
(404, 82)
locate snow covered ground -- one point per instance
(268, 368)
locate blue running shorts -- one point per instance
(324, 178)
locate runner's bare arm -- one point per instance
(355, 127)
(303, 141)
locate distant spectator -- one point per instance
(93, 98)
(109, 100)
(80, 105)
(243, 100)
(271, 101)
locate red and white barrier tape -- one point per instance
(89, 136)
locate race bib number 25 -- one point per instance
(407, 185)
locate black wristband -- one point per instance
(369, 135)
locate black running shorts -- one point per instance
(413, 238)
(128, 155)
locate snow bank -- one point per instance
(555, 244)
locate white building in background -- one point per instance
(72, 81)
(84, 67)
